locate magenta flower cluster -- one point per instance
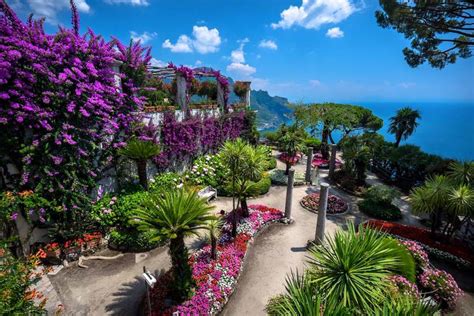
(404, 286)
(444, 289)
(418, 253)
(216, 279)
(183, 140)
(62, 111)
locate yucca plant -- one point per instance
(173, 215)
(405, 306)
(140, 151)
(302, 298)
(462, 172)
(214, 226)
(352, 268)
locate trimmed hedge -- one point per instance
(379, 210)
(133, 241)
(272, 163)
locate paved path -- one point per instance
(115, 287)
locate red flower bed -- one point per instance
(455, 247)
(293, 160)
(320, 162)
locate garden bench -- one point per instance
(208, 193)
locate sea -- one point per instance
(445, 129)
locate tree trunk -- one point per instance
(288, 166)
(398, 139)
(234, 211)
(324, 142)
(141, 169)
(213, 247)
(245, 208)
(182, 275)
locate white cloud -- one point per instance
(143, 38)
(335, 32)
(237, 65)
(158, 63)
(314, 83)
(183, 45)
(407, 85)
(314, 13)
(49, 9)
(132, 2)
(268, 44)
(241, 70)
(204, 41)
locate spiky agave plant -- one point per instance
(140, 151)
(352, 268)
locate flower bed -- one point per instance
(455, 251)
(320, 162)
(279, 177)
(293, 160)
(73, 248)
(216, 279)
(336, 205)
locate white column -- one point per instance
(321, 222)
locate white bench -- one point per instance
(208, 193)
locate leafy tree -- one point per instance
(246, 164)
(351, 268)
(291, 142)
(403, 124)
(329, 117)
(174, 215)
(140, 151)
(440, 31)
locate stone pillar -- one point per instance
(220, 97)
(289, 194)
(321, 222)
(181, 94)
(309, 165)
(247, 95)
(332, 161)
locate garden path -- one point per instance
(116, 287)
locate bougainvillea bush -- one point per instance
(216, 279)
(320, 162)
(182, 141)
(336, 205)
(444, 289)
(62, 114)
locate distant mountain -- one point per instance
(271, 111)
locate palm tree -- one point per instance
(443, 198)
(403, 124)
(140, 151)
(233, 157)
(351, 269)
(291, 143)
(174, 215)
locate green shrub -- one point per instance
(380, 210)
(165, 181)
(261, 187)
(17, 279)
(207, 170)
(382, 194)
(313, 142)
(272, 163)
(132, 240)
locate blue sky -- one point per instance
(306, 50)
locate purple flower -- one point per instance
(14, 216)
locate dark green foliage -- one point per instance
(272, 137)
(406, 166)
(249, 131)
(132, 240)
(380, 210)
(440, 31)
(313, 142)
(260, 187)
(271, 163)
(378, 203)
